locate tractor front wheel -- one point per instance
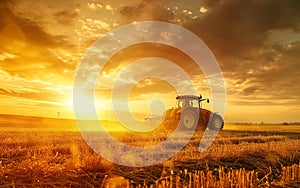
(216, 122)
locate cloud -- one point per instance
(46, 23)
(34, 89)
(17, 31)
(108, 7)
(255, 44)
(231, 28)
(143, 10)
(37, 40)
(95, 5)
(66, 16)
(6, 55)
(99, 6)
(203, 10)
(255, 41)
(150, 75)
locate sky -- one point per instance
(256, 43)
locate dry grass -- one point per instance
(218, 178)
(52, 159)
(62, 159)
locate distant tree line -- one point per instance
(291, 123)
(263, 123)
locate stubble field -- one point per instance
(241, 156)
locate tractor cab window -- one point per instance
(194, 103)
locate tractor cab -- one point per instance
(189, 101)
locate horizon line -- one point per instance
(229, 122)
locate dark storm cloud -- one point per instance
(5, 17)
(33, 32)
(144, 10)
(44, 25)
(238, 33)
(231, 28)
(35, 37)
(65, 17)
(133, 11)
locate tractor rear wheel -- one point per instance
(189, 119)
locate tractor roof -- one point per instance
(187, 97)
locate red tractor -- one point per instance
(190, 116)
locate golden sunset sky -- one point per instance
(256, 42)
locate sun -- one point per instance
(83, 109)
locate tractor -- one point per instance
(189, 115)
